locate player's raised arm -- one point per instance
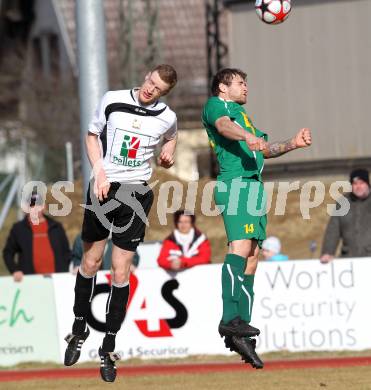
(230, 130)
(301, 140)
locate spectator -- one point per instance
(186, 246)
(353, 229)
(37, 244)
(272, 249)
(77, 251)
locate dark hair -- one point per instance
(167, 74)
(361, 174)
(179, 213)
(225, 76)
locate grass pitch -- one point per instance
(357, 378)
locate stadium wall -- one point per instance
(299, 306)
(311, 71)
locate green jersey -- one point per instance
(234, 157)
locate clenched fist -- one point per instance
(303, 138)
(166, 160)
(255, 143)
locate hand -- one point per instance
(303, 138)
(165, 159)
(176, 264)
(18, 276)
(101, 185)
(255, 143)
(326, 258)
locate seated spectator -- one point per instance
(271, 250)
(37, 244)
(353, 228)
(186, 246)
(77, 252)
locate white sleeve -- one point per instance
(98, 122)
(171, 132)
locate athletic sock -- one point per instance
(232, 277)
(115, 314)
(246, 298)
(84, 289)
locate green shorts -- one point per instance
(242, 202)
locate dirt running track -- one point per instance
(61, 373)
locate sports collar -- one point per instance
(131, 109)
(226, 101)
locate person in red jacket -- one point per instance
(186, 246)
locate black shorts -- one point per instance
(124, 211)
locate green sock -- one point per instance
(246, 298)
(232, 277)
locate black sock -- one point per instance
(84, 289)
(115, 314)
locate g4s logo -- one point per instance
(166, 324)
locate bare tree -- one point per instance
(138, 52)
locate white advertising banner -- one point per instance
(299, 306)
(169, 314)
(28, 327)
(305, 305)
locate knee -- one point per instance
(90, 265)
(120, 276)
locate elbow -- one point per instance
(161, 261)
(221, 131)
(87, 140)
(163, 264)
(221, 127)
(90, 139)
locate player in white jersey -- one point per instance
(132, 123)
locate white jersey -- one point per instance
(133, 131)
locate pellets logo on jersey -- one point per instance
(130, 147)
(165, 324)
(127, 149)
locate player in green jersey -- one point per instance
(239, 193)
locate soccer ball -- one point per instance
(273, 11)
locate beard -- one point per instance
(241, 100)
